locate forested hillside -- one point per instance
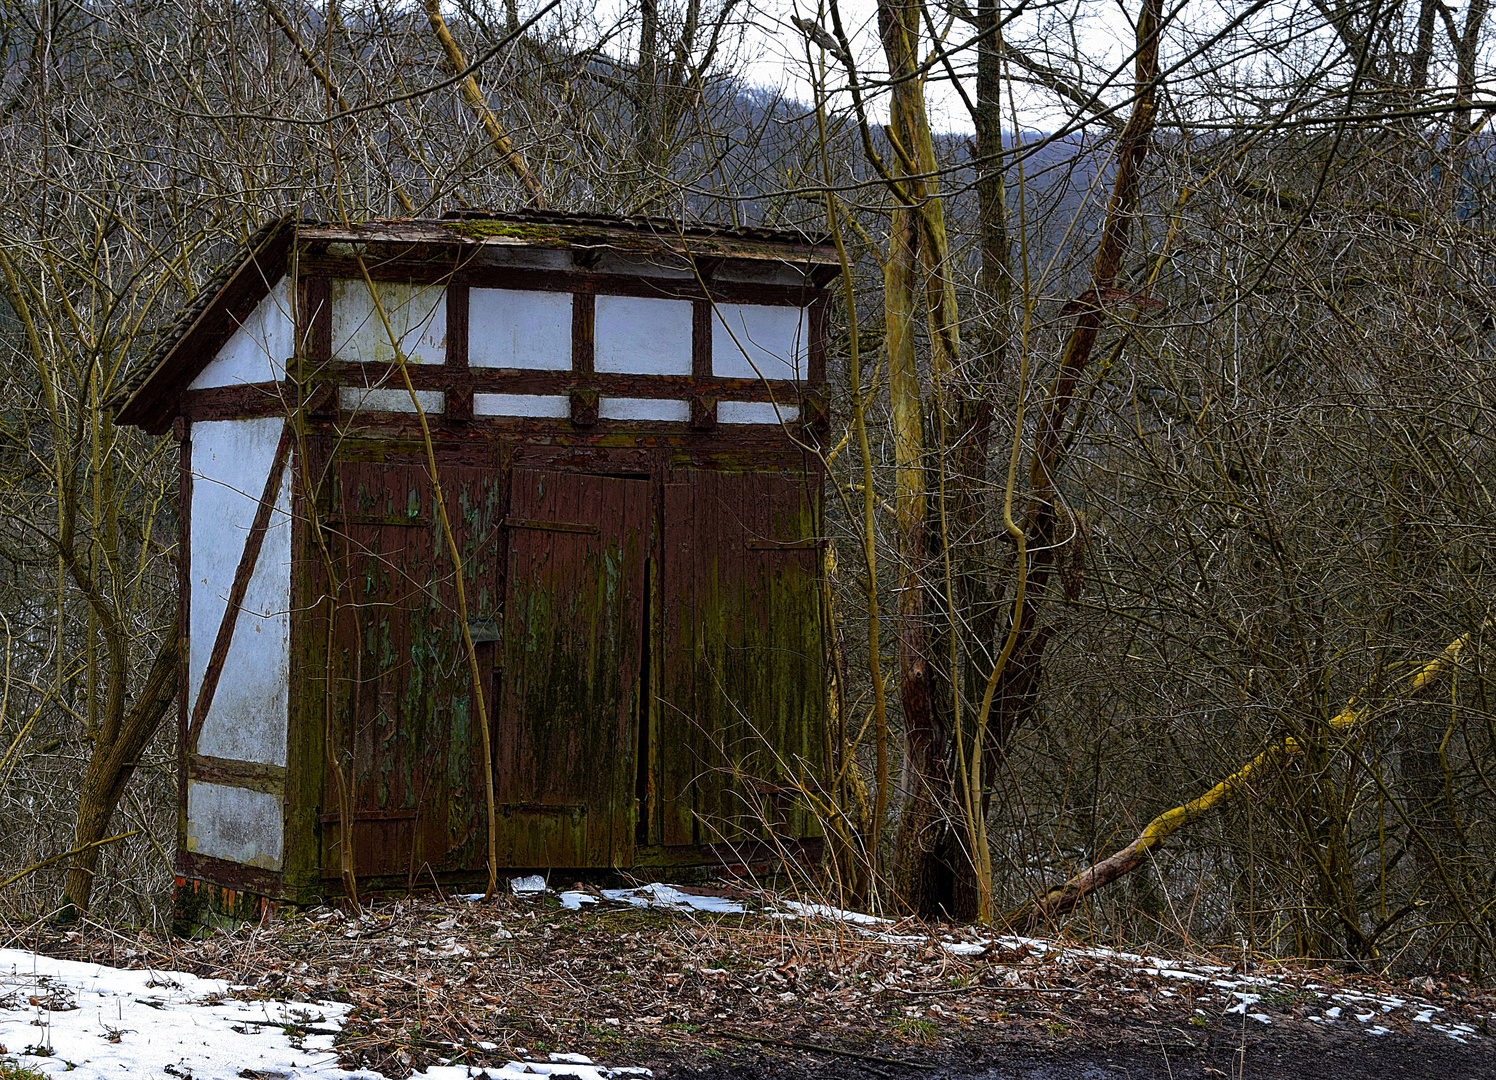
(1160, 525)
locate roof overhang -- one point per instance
(205, 325)
(230, 296)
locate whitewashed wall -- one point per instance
(236, 824)
(246, 721)
(757, 341)
(516, 328)
(259, 348)
(417, 316)
(642, 335)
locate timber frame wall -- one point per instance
(682, 483)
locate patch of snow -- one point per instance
(96, 1022)
(1457, 1032)
(657, 894)
(825, 911)
(1333, 1014)
(524, 886)
(1379, 1030)
(572, 899)
(1177, 973)
(963, 948)
(1247, 1000)
(1262, 1018)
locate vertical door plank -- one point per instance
(680, 739)
(573, 639)
(759, 689)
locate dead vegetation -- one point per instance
(439, 981)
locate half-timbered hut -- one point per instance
(621, 417)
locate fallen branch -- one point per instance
(1063, 898)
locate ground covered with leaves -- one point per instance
(796, 990)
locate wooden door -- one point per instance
(570, 668)
(404, 716)
(744, 694)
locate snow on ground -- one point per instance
(825, 911)
(655, 894)
(99, 1023)
(671, 896)
(1245, 990)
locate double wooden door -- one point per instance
(651, 660)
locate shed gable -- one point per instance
(260, 346)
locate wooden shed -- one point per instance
(622, 415)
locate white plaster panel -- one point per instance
(258, 350)
(247, 718)
(550, 406)
(755, 412)
(514, 328)
(417, 314)
(389, 399)
(642, 335)
(236, 824)
(758, 341)
(644, 409)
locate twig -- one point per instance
(66, 854)
(793, 1044)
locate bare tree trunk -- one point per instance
(120, 741)
(646, 99)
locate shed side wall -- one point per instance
(241, 747)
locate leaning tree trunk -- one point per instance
(118, 744)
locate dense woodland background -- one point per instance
(1168, 396)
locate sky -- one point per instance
(776, 54)
(773, 49)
